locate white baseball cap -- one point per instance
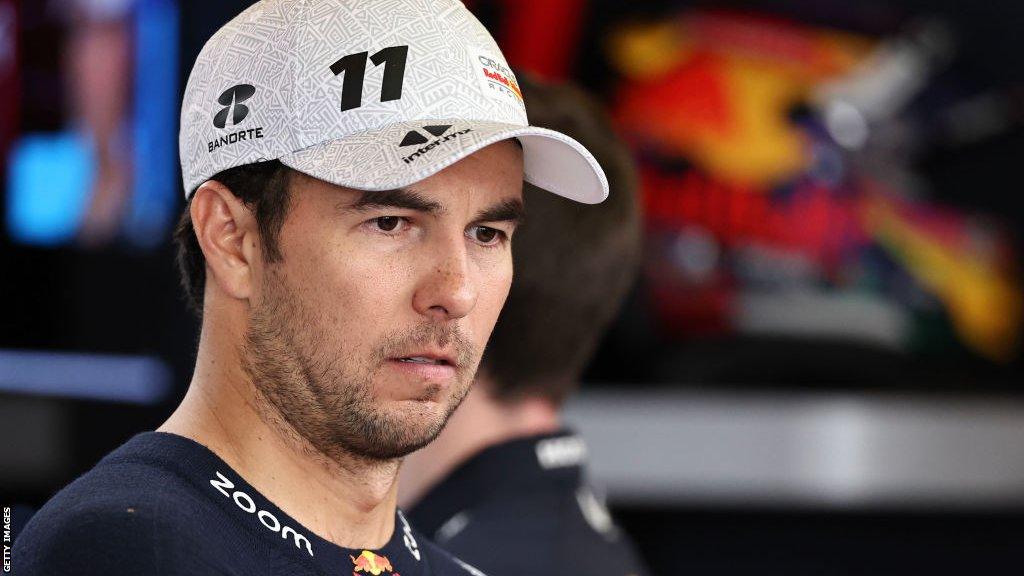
(367, 94)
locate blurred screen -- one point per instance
(90, 159)
(824, 189)
(782, 198)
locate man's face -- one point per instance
(366, 335)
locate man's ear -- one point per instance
(229, 237)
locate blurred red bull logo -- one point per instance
(371, 563)
(762, 222)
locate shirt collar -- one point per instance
(216, 480)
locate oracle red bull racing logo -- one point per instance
(500, 76)
(371, 563)
(496, 79)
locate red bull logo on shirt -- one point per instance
(371, 563)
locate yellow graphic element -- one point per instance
(762, 146)
(984, 302)
(370, 563)
(644, 51)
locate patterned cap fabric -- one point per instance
(367, 94)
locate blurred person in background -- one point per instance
(99, 72)
(349, 250)
(506, 469)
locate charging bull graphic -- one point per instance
(755, 207)
(371, 563)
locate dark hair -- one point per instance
(573, 263)
(263, 188)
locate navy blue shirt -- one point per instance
(522, 508)
(162, 504)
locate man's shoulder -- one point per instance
(536, 521)
(114, 519)
(122, 490)
(444, 563)
(538, 532)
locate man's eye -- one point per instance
(485, 235)
(388, 223)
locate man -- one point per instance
(505, 469)
(353, 188)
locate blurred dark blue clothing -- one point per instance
(522, 508)
(162, 504)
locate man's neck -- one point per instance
(346, 500)
(480, 422)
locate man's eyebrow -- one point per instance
(396, 198)
(510, 210)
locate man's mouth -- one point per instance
(425, 360)
(433, 365)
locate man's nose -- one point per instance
(447, 290)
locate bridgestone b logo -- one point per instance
(414, 137)
(232, 99)
(247, 504)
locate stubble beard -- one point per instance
(325, 396)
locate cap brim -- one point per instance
(377, 160)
